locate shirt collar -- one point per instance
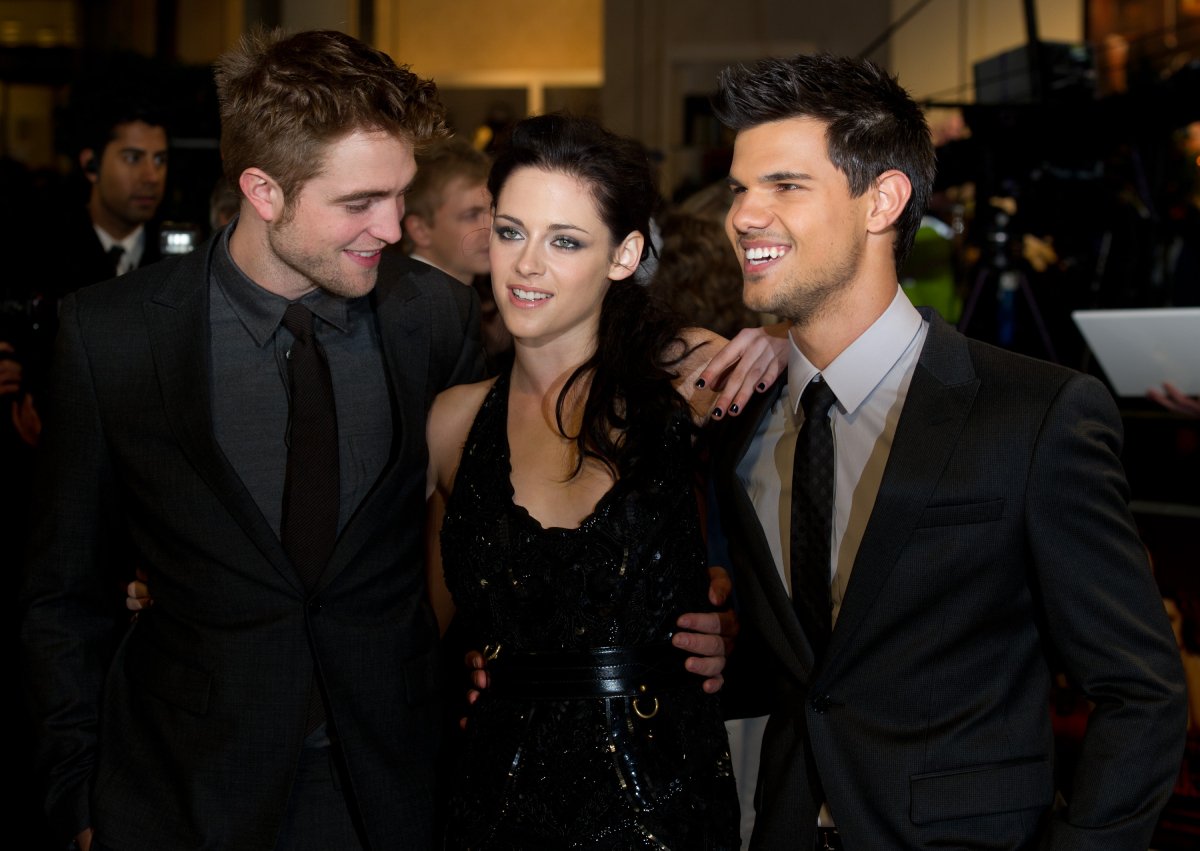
(261, 311)
(132, 244)
(863, 364)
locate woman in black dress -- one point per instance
(571, 540)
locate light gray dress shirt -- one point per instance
(870, 379)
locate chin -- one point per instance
(344, 288)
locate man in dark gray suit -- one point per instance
(264, 701)
(958, 522)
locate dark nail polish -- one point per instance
(700, 383)
(733, 409)
(761, 387)
(718, 413)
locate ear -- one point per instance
(889, 197)
(627, 256)
(418, 230)
(90, 164)
(263, 193)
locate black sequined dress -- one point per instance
(587, 772)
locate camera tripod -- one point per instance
(1011, 282)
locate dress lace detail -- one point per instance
(587, 773)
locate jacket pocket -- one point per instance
(167, 678)
(979, 790)
(962, 513)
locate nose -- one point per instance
(386, 223)
(747, 213)
(529, 262)
(152, 171)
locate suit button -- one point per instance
(820, 704)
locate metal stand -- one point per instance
(1010, 281)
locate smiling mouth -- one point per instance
(529, 295)
(759, 255)
(364, 254)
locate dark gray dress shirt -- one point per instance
(250, 384)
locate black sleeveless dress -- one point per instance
(597, 772)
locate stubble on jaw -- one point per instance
(804, 304)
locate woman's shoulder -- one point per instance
(449, 424)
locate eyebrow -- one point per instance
(364, 195)
(556, 227)
(774, 177)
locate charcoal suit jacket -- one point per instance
(188, 737)
(1000, 546)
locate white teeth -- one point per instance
(760, 254)
(529, 295)
(363, 253)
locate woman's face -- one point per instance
(553, 258)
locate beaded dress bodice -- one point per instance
(583, 773)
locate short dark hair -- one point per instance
(872, 124)
(285, 98)
(127, 90)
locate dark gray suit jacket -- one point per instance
(191, 736)
(1000, 539)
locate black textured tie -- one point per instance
(114, 255)
(312, 482)
(812, 515)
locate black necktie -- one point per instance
(312, 483)
(812, 515)
(114, 255)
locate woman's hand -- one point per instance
(750, 363)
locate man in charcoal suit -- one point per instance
(279, 694)
(920, 525)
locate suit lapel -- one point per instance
(783, 630)
(404, 325)
(178, 325)
(936, 407)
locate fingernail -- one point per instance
(733, 409)
(718, 413)
(761, 387)
(700, 383)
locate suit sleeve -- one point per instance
(1106, 619)
(68, 619)
(464, 348)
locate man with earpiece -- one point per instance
(124, 158)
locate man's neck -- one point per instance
(116, 228)
(824, 335)
(249, 248)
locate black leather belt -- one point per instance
(642, 670)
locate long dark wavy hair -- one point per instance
(630, 400)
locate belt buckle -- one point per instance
(828, 839)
